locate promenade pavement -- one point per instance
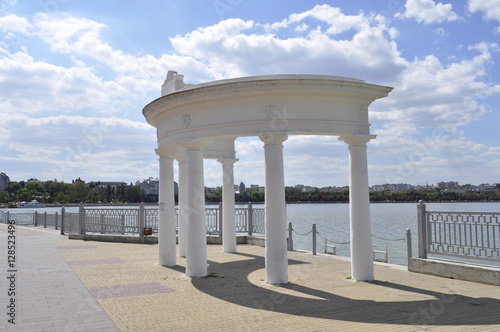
(73, 285)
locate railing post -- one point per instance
(422, 230)
(122, 224)
(36, 218)
(103, 228)
(57, 217)
(8, 217)
(220, 219)
(314, 239)
(250, 218)
(408, 247)
(290, 240)
(81, 218)
(142, 220)
(62, 220)
(386, 254)
(45, 219)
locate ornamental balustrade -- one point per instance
(474, 235)
(131, 221)
(20, 218)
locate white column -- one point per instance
(359, 208)
(183, 197)
(228, 205)
(166, 213)
(276, 243)
(196, 239)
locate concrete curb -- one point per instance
(456, 270)
(244, 239)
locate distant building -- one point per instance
(242, 188)
(485, 186)
(4, 181)
(150, 186)
(426, 187)
(101, 186)
(77, 181)
(447, 185)
(392, 187)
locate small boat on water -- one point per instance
(33, 204)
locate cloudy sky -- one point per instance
(75, 75)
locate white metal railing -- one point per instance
(19, 218)
(473, 235)
(132, 221)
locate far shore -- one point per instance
(49, 205)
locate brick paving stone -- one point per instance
(96, 261)
(235, 297)
(129, 290)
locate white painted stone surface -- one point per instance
(270, 106)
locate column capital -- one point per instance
(165, 151)
(273, 138)
(181, 158)
(356, 139)
(193, 144)
(227, 161)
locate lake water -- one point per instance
(389, 222)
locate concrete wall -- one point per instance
(456, 270)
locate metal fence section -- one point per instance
(27, 219)
(259, 220)
(112, 221)
(132, 221)
(473, 235)
(151, 219)
(213, 217)
(241, 219)
(71, 222)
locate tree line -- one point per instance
(53, 192)
(93, 192)
(341, 195)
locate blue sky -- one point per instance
(75, 75)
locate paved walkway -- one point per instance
(70, 285)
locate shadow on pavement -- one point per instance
(229, 282)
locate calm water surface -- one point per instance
(389, 223)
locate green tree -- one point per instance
(24, 195)
(91, 198)
(14, 186)
(134, 194)
(60, 197)
(35, 187)
(4, 196)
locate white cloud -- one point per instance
(428, 11)
(30, 86)
(236, 47)
(14, 23)
(431, 94)
(490, 8)
(64, 147)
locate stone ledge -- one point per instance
(456, 270)
(244, 239)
